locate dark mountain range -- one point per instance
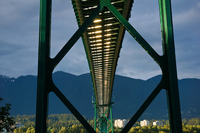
(128, 95)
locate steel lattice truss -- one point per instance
(102, 41)
(102, 36)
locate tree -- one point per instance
(6, 121)
(154, 129)
(54, 130)
(63, 130)
(16, 130)
(133, 130)
(30, 130)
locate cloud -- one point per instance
(63, 25)
(135, 62)
(20, 32)
(75, 61)
(186, 32)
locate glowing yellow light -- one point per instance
(106, 49)
(107, 34)
(107, 30)
(90, 33)
(108, 24)
(96, 48)
(98, 44)
(107, 46)
(92, 37)
(99, 50)
(109, 18)
(107, 12)
(107, 39)
(98, 26)
(107, 43)
(99, 36)
(98, 40)
(99, 31)
(90, 28)
(97, 20)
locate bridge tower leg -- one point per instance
(44, 72)
(46, 66)
(170, 71)
(167, 63)
(103, 124)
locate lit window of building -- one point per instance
(144, 123)
(120, 123)
(157, 123)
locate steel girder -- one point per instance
(166, 62)
(102, 41)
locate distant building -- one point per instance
(144, 123)
(18, 125)
(120, 123)
(157, 123)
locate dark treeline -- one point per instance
(67, 123)
(57, 123)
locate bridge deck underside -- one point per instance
(102, 41)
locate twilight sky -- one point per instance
(19, 29)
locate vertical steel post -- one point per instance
(111, 119)
(103, 125)
(43, 66)
(167, 62)
(95, 117)
(170, 70)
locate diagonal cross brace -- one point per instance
(167, 72)
(144, 106)
(73, 110)
(136, 35)
(75, 37)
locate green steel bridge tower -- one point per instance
(102, 25)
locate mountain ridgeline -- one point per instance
(128, 95)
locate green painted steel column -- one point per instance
(95, 117)
(170, 72)
(111, 119)
(103, 125)
(43, 66)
